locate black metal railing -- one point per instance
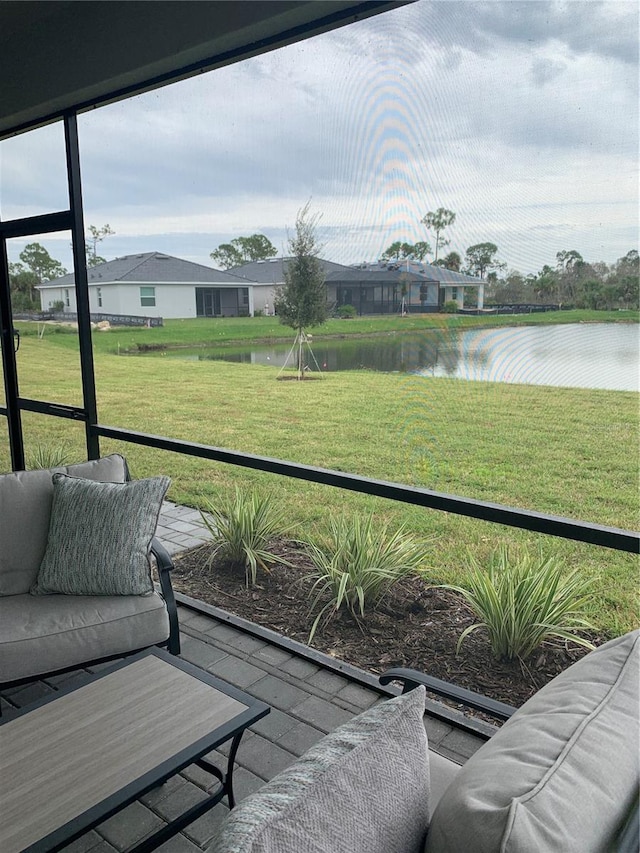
(566, 528)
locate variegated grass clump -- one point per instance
(48, 456)
(242, 526)
(358, 562)
(525, 601)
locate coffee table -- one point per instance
(70, 762)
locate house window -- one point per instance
(454, 293)
(147, 297)
(66, 297)
(244, 294)
(99, 295)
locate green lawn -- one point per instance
(569, 452)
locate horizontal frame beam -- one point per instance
(46, 223)
(551, 525)
(58, 410)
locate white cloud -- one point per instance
(520, 116)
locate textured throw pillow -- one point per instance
(364, 789)
(25, 512)
(562, 773)
(99, 537)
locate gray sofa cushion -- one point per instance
(43, 633)
(100, 536)
(364, 789)
(442, 772)
(561, 774)
(25, 508)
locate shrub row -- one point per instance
(521, 600)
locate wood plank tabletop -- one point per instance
(66, 756)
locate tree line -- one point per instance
(572, 281)
(36, 266)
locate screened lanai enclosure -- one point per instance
(59, 61)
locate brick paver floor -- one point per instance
(307, 701)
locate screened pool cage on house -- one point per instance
(60, 59)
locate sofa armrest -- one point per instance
(164, 565)
(411, 678)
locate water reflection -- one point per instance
(595, 355)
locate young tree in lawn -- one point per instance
(302, 300)
(437, 221)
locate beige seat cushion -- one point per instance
(443, 771)
(25, 509)
(39, 634)
(561, 775)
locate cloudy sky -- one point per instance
(522, 117)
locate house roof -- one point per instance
(272, 270)
(154, 267)
(416, 271)
(358, 275)
(158, 267)
(441, 274)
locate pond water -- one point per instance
(589, 355)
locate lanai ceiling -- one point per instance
(57, 55)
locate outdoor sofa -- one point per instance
(75, 569)
(560, 776)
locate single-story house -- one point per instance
(156, 285)
(371, 289)
(375, 288)
(269, 275)
(396, 286)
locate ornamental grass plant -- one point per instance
(357, 563)
(49, 456)
(242, 526)
(525, 601)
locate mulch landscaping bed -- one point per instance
(414, 625)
